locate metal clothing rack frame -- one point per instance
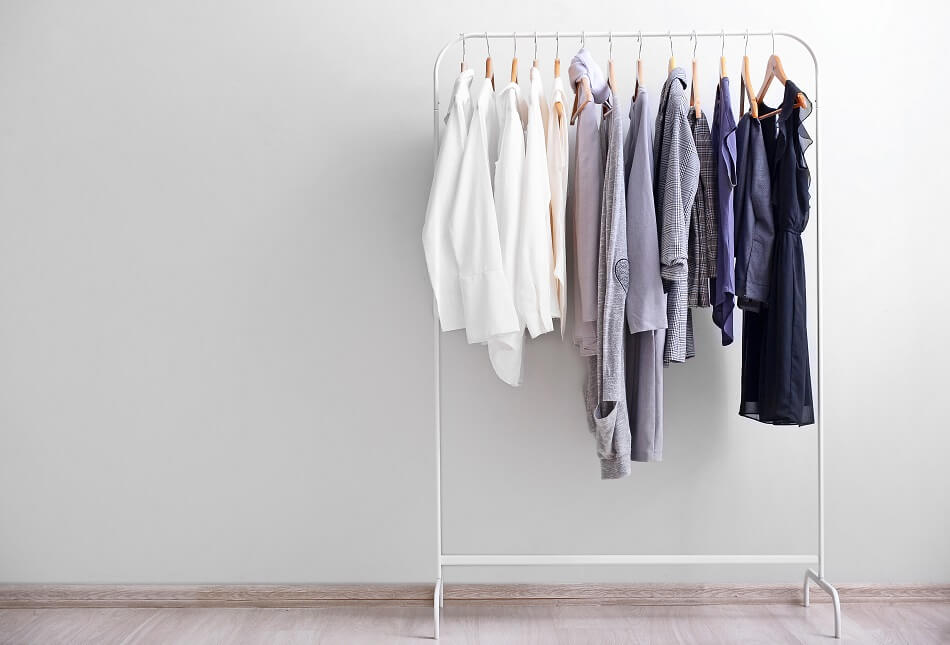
(450, 560)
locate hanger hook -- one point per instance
(514, 42)
(722, 52)
(583, 40)
(670, 36)
(695, 42)
(610, 44)
(640, 43)
(462, 36)
(557, 44)
(747, 41)
(487, 44)
(535, 45)
(773, 42)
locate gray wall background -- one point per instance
(215, 323)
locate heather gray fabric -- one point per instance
(646, 302)
(677, 177)
(607, 398)
(644, 362)
(587, 193)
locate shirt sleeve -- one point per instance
(439, 252)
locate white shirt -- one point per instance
(557, 148)
(486, 291)
(440, 255)
(535, 296)
(505, 351)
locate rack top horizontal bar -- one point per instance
(509, 560)
(621, 34)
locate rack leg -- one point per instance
(436, 604)
(827, 586)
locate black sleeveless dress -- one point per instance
(776, 378)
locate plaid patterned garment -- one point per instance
(674, 189)
(704, 218)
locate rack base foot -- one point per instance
(437, 600)
(827, 586)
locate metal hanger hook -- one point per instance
(640, 43)
(773, 42)
(747, 42)
(583, 40)
(514, 41)
(487, 44)
(462, 36)
(670, 36)
(610, 45)
(557, 44)
(722, 52)
(535, 45)
(695, 42)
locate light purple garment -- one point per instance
(587, 193)
(646, 302)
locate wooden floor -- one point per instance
(493, 623)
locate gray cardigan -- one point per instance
(606, 395)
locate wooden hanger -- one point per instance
(558, 106)
(639, 79)
(489, 72)
(800, 102)
(774, 70)
(747, 81)
(514, 59)
(611, 75)
(694, 94)
(585, 88)
(588, 97)
(672, 56)
(722, 58)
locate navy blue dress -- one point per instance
(776, 379)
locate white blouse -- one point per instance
(486, 291)
(535, 296)
(505, 351)
(439, 251)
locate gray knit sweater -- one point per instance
(606, 396)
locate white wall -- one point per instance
(215, 331)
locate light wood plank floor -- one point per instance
(493, 623)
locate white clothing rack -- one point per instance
(448, 560)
